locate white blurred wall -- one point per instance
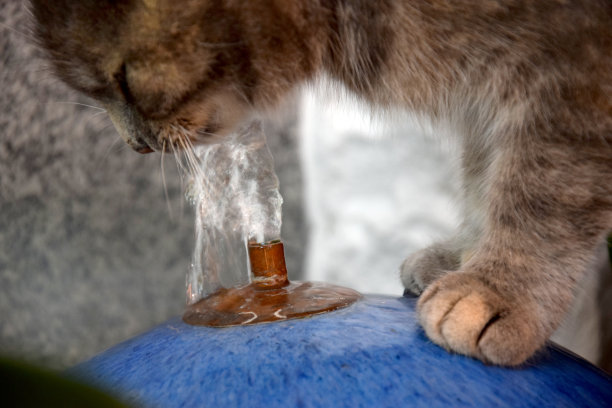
(376, 188)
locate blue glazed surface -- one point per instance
(372, 354)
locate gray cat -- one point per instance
(525, 84)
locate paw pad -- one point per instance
(460, 313)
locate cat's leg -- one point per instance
(425, 266)
(548, 205)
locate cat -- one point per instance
(525, 85)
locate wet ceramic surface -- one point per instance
(372, 354)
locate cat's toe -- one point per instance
(461, 314)
(411, 278)
(425, 266)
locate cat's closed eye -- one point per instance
(121, 77)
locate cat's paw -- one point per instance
(462, 314)
(423, 267)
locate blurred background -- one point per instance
(94, 248)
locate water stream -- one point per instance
(234, 190)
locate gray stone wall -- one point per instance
(90, 253)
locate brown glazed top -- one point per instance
(270, 296)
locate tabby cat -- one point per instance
(525, 84)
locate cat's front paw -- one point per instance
(462, 314)
(423, 267)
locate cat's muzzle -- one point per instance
(133, 129)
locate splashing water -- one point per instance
(234, 190)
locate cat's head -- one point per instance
(171, 70)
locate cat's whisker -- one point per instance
(193, 161)
(178, 156)
(181, 177)
(106, 127)
(108, 150)
(179, 166)
(207, 137)
(95, 115)
(177, 161)
(198, 172)
(28, 10)
(46, 76)
(242, 95)
(186, 145)
(191, 150)
(80, 104)
(36, 69)
(189, 142)
(204, 133)
(100, 124)
(188, 159)
(165, 185)
(27, 36)
(178, 150)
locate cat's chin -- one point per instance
(174, 142)
(170, 138)
(145, 136)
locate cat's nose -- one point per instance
(139, 145)
(132, 128)
(144, 150)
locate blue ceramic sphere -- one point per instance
(371, 354)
